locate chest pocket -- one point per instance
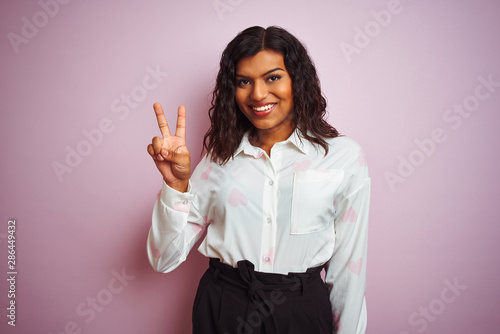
(312, 199)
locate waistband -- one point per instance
(245, 275)
(245, 278)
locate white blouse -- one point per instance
(294, 210)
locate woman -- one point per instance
(280, 195)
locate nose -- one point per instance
(259, 91)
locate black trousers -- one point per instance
(242, 301)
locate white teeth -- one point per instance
(264, 108)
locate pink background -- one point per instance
(73, 235)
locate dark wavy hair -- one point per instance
(229, 124)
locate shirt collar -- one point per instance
(295, 140)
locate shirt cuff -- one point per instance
(171, 197)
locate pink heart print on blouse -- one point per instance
(198, 228)
(182, 206)
(258, 155)
(156, 253)
(301, 166)
(355, 266)
(206, 221)
(206, 174)
(349, 215)
(269, 258)
(236, 197)
(361, 159)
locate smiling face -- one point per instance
(264, 94)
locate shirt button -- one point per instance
(267, 259)
(185, 202)
(271, 183)
(269, 220)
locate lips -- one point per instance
(264, 109)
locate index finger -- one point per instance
(162, 121)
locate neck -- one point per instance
(265, 139)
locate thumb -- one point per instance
(174, 156)
(168, 155)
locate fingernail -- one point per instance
(159, 157)
(164, 153)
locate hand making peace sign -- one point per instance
(170, 153)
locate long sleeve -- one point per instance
(346, 270)
(177, 223)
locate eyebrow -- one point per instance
(274, 69)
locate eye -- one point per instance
(274, 78)
(242, 82)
